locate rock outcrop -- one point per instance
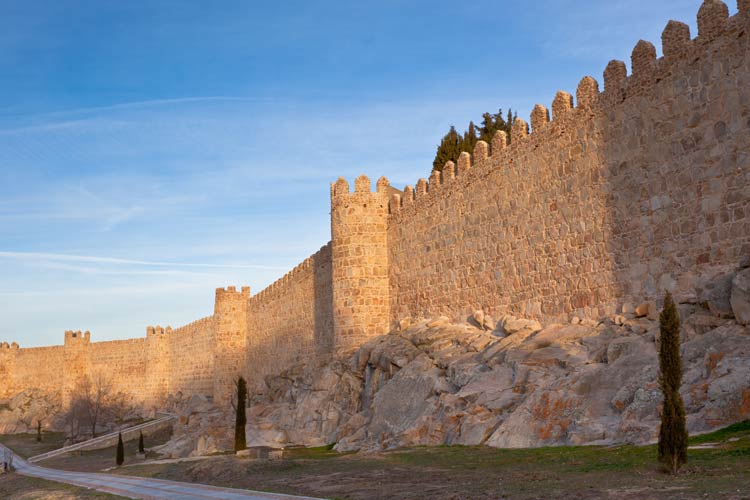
(740, 298)
(202, 428)
(24, 410)
(519, 385)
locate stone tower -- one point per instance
(76, 362)
(230, 316)
(157, 364)
(359, 241)
(8, 355)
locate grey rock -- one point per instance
(740, 297)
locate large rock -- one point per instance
(22, 412)
(442, 383)
(740, 298)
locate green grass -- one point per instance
(479, 472)
(740, 429)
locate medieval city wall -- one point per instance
(191, 357)
(42, 365)
(122, 363)
(620, 194)
(291, 321)
(634, 190)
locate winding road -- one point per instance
(140, 487)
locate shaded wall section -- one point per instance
(635, 190)
(291, 321)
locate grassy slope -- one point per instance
(622, 472)
(458, 472)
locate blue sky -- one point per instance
(151, 151)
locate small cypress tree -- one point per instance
(141, 449)
(240, 442)
(120, 457)
(673, 436)
(38, 431)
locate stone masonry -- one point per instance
(617, 196)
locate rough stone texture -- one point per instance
(441, 383)
(292, 320)
(628, 193)
(360, 262)
(22, 412)
(741, 297)
(611, 202)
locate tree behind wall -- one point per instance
(141, 449)
(454, 143)
(120, 457)
(240, 442)
(673, 436)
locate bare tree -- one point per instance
(75, 417)
(96, 392)
(91, 403)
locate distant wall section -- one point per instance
(291, 321)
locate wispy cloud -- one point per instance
(37, 256)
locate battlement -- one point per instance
(362, 194)
(152, 331)
(717, 30)
(77, 337)
(605, 197)
(297, 273)
(231, 291)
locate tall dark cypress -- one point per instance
(120, 457)
(673, 436)
(470, 139)
(448, 150)
(141, 449)
(240, 442)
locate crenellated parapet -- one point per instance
(606, 195)
(77, 338)
(278, 288)
(716, 29)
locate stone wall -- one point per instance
(622, 194)
(41, 365)
(191, 358)
(122, 363)
(291, 321)
(632, 191)
(359, 246)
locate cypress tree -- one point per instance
(454, 143)
(241, 419)
(470, 139)
(673, 436)
(448, 150)
(120, 457)
(141, 449)
(38, 431)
